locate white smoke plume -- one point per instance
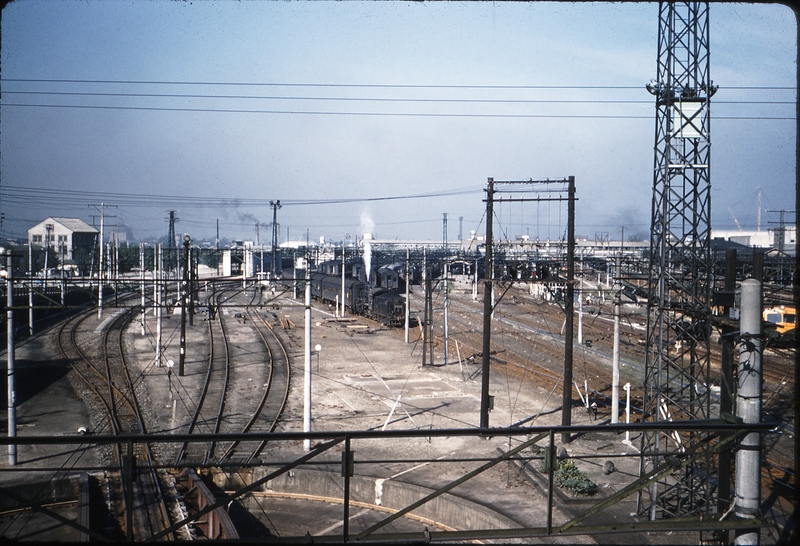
(367, 225)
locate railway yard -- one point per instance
(225, 454)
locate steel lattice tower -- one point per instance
(676, 385)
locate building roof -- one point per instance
(75, 225)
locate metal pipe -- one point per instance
(748, 407)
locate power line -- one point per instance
(363, 99)
(47, 196)
(364, 85)
(377, 114)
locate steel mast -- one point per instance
(676, 385)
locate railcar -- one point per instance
(381, 304)
(782, 316)
(328, 289)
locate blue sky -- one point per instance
(338, 131)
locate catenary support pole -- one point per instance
(12, 393)
(408, 301)
(748, 406)
(142, 287)
(184, 288)
(30, 289)
(159, 306)
(487, 307)
(307, 364)
(343, 268)
(566, 404)
(615, 354)
(446, 313)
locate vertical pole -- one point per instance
(343, 292)
(127, 473)
(30, 289)
(408, 302)
(12, 393)
(627, 388)
(100, 269)
(615, 355)
(159, 306)
(550, 463)
(192, 282)
(184, 287)
(566, 405)
(141, 286)
(425, 317)
(580, 312)
(429, 322)
(725, 458)
(487, 307)
(307, 363)
(758, 265)
(347, 473)
(446, 311)
(748, 458)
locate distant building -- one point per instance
(66, 236)
(782, 238)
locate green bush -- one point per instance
(569, 477)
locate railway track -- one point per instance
(245, 387)
(527, 341)
(109, 387)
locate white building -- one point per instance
(785, 239)
(64, 235)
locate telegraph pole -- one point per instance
(275, 206)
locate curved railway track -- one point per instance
(107, 382)
(246, 384)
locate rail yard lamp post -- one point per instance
(12, 395)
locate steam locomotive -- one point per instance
(385, 305)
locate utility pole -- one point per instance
(100, 263)
(10, 356)
(615, 354)
(275, 206)
(460, 229)
(503, 191)
(487, 307)
(184, 288)
(566, 400)
(407, 294)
